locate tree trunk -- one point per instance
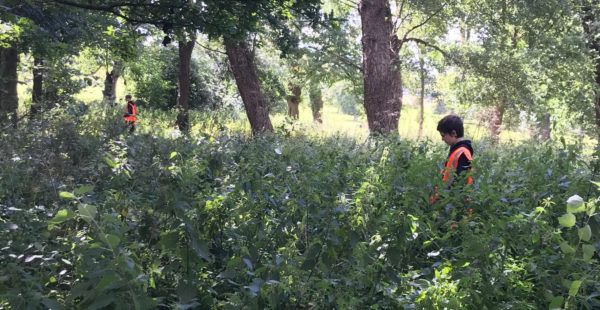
(9, 100)
(545, 128)
(590, 18)
(37, 93)
(246, 79)
(183, 84)
(422, 96)
(316, 103)
(293, 101)
(381, 67)
(109, 93)
(496, 122)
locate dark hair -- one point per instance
(127, 96)
(449, 123)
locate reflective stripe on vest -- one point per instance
(452, 165)
(133, 110)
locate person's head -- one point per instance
(128, 97)
(451, 129)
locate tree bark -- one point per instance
(381, 67)
(545, 128)
(183, 84)
(37, 93)
(496, 122)
(110, 83)
(316, 103)
(246, 79)
(422, 96)
(293, 101)
(9, 100)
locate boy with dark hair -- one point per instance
(459, 157)
(130, 113)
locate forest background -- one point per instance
(285, 151)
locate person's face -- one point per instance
(127, 98)
(449, 138)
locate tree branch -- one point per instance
(424, 22)
(423, 42)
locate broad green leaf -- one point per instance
(66, 195)
(51, 304)
(102, 303)
(566, 248)
(590, 208)
(574, 288)
(575, 204)
(111, 163)
(87, 212)
(556, 302)
(106, 280)
(201, 248)
(567, 220)
(596, 183)
(173, 154)
(83, 190)
(112, 240)
(588, 251)
(311, 256)
(585, 233)
(61, 216)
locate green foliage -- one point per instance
(155, 77)
(93, 219)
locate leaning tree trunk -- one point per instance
(293, 101)
(422, 97)
(37, 93)
(244, 71)
(381, 67)
(316, 103)
(9, 100)
(183, 86)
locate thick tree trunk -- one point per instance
(422, 95)
(316, 103)
(293, 101)
(37, 93)
(244, 71)
(496, 122)
(183, 84)
(9, 100)
(110, 83)
(381, 67)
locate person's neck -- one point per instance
(457, 140)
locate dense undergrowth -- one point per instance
(93, 218)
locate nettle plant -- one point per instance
(578, 245)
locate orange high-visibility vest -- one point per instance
(452, 165)
(131, 117)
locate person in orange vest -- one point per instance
(130, 113)
(460, 155)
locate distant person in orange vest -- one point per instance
(460, 155)
(130, 113)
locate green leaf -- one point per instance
(66, 195)
(111, 163)
(574, 288)
(556, 302)
(575, 204)
(567, 220)
(585, 233)
(51, 304)
(566, 248)
(112, 240)
(590, 208)
(173, 154)
(61, 216)
(83, 190)
(87, 212)
(311, 256)
(588, 251)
